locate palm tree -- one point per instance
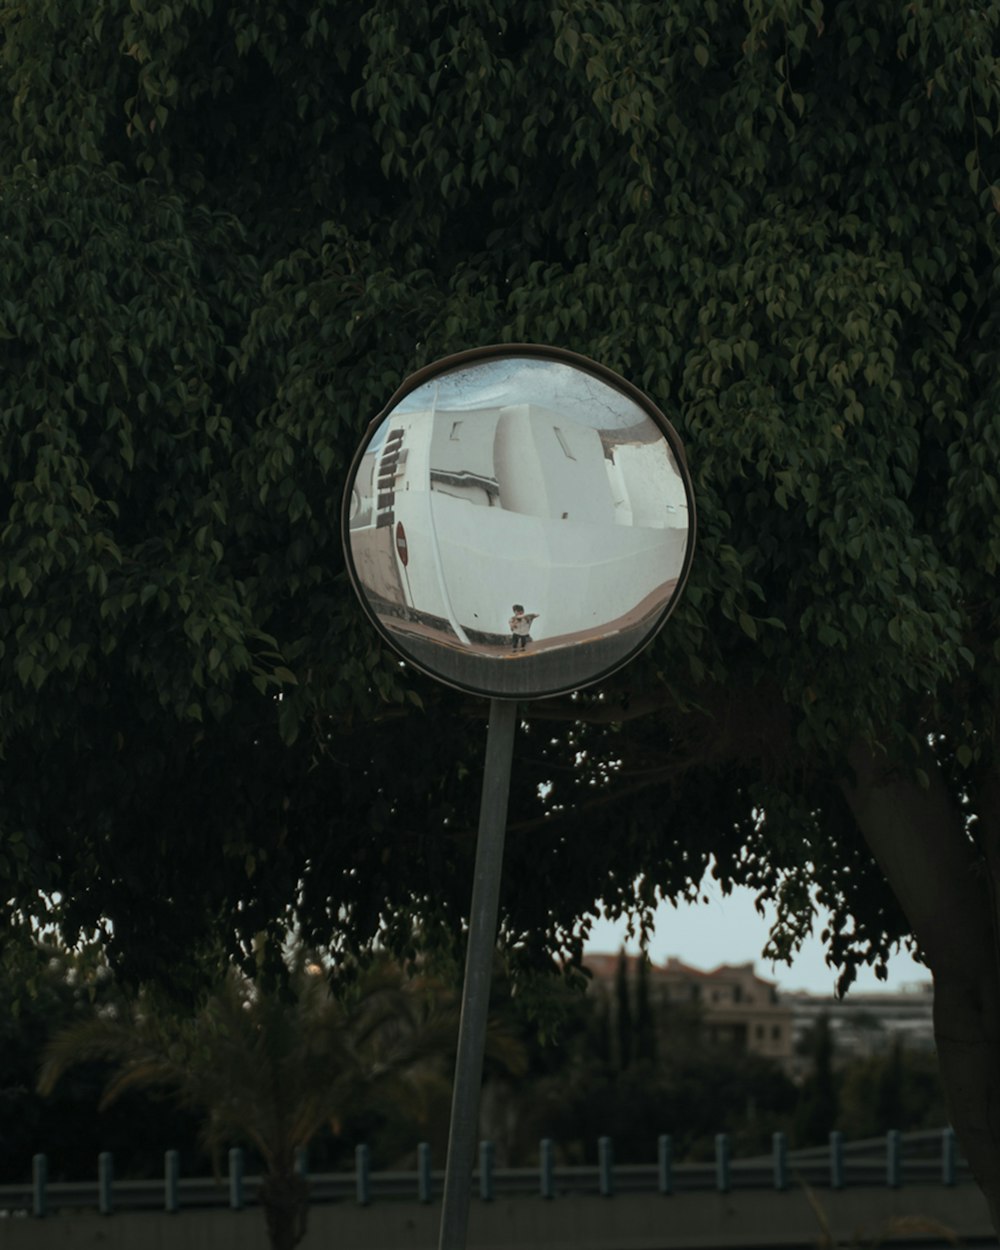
(274, 1066)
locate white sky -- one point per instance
(729, 930)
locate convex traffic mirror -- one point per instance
(519, 521)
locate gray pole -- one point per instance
(464, 1129)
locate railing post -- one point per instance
(606, 1166)
(779, 1145)
(664, 1164)
(546, 1168)
(722, 1177)
(836, 1159)
(486, 1157)
(39, 1181)
(171, 1180)
(236, 1179)
(105, 1180)
(948, 1160)
(362, 1175)
(425, 1183)
(893, 1159)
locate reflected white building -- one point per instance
(460, 513)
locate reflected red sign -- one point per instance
(401, 548)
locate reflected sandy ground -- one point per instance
(494, 667)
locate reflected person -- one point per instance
(520, 627)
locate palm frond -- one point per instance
(273, 1069)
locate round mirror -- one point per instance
(518, 521)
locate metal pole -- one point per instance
(362, 1175)
(40, 1179)
(893, 1159)
(836, 1159)
(105, 1179)
(606, 1167)
(171, 1180)
(664, 1159)
(947, 1156)
(546, 1168)
(425, 1182)
(722, 1175)
(779, 1151)
(236, 1178)
(478, 973)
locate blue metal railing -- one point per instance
(547, 1168)
(928, 1158)
(664, 1164)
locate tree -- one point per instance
(229, 231)
(816, 1113)
(624, 1029)
(694, 1090)
(46, 989)
(272, 1067)
(645, 1025)
(899, 1088)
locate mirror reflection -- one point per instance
(518, 526)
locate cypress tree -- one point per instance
(623, 1013)
(645, 1027)
(889, 1090)
(816, 1113)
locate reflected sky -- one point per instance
(522, 379)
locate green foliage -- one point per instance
(623, 1013)
(898, 1088)
(269, 1064)
(272, 1062)
(816, 1112)
(229, 232)
(645, 1026)
(47, 989)
(692, 1090)
(893, 1087)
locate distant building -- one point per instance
(868, 1023)
(736, 1007)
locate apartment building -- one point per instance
(734, 1005)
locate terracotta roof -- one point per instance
(603, 965)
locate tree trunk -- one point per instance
(946, 889)
(285, 1199)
